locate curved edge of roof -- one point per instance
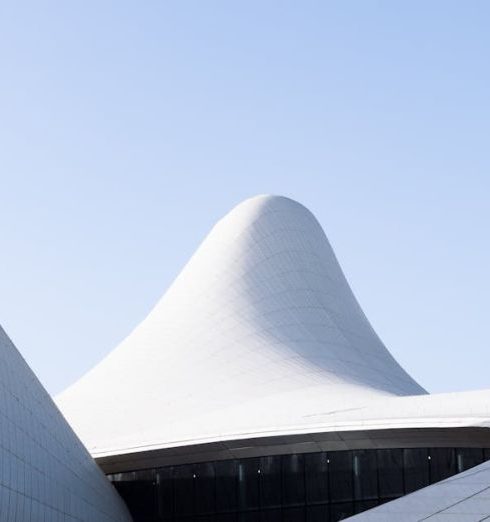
(419, 412)
(265, 247)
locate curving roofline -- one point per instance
(439, 420)
(260, 338)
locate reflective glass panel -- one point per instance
(248, 484)
(390, 473)
(271, 515)
(293, 480)
(318, 513)
(312, 487)
(341, 511)
(226, 472)
(364, 505)
(270, 482)
(249, 516)
(184, 490)
(340, 475)
(165, 480)
(442, 463)
(466, 458)
(204, 485)
(225, 517)
(139, 491)
(416, 468)
(365, 475)
(316, 477)
(295, 514)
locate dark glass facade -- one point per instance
(312, 487)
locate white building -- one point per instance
(257, 389)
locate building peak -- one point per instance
(260, 328)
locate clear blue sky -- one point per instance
(128, 128)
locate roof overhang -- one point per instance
(297, 443)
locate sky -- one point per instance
(127, 129)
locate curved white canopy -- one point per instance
(259, 335)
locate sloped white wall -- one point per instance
(46, 475)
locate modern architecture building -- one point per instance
(257, 390)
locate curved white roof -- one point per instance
(259, 334)
(45, 472)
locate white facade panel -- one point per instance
(46, 475)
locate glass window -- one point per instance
(341, 511)
(249, 516)
(295, 514)
(340, 475)
(442, 463)
(204, 484)
(364, 505)
(486, 454)
(248, 484)
(184, 490)
(226, 472)
(288, 488)
(225, 517)
(270, 482)
(365, 475)
(466, 458)
(165, 480)
(140, 493)
(271, 515)
(416, 468)
(316, 478)
(200, 518)
(293, 480)
(318, 513)
(390, 473)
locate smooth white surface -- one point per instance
(259, 334)
(46, 475)
(462, 498)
